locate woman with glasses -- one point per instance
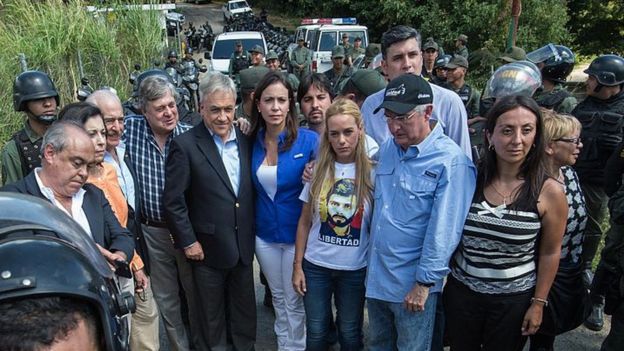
(568, 296)
(504, 266)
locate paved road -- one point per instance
(581, 339)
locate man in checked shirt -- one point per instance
(147, 139)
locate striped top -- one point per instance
(497, 254)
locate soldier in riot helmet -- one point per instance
(600, 163)
(556, 63)
(439, 70)
(172, 61)
(57, 290)
(34, 93)
(239, 60)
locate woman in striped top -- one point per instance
(506, 262)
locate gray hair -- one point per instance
(57, 135)
(153, 88)
(99, 96)
(398, 34)
(216, 81)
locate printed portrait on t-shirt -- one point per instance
(341, 218)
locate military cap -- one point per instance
(239, 43)
(338, 51)
(430, 44)
(258, 49)
(463, 38)
(367, 81)
(272, 55)
(513, 54)
(457, 61)
(300, 39)
(357, 39)
(251, 76)
(345, 35)
(371, 51)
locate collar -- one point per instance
(32, 136)
(49, 193)
(280, 138)
(231, 136)
(423, 146)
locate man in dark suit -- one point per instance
(209, 208)
(67, 152)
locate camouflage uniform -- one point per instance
(558, 99)
(301, 56)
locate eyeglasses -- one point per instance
(108, 120)
(400, 118)
(575, 141)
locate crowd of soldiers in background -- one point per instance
(541, 74)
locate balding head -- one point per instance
(67, 152)
(108, 102)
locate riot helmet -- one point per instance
(34, 85)
(442, 61)
(188, 50)
(44, 253)
(173, 54)
(516, 78)
(607, 69)
(557, 60)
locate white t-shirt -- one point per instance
(267, 177)
(340, 247)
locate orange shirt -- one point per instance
(108, 183)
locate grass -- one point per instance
(51, 33)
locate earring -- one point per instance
(491, 147)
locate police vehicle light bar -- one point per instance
(344, 20)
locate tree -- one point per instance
(597, 26)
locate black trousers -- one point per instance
(482, 321)
(212, 285)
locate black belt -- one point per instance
(156, 224)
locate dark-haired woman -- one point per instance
(280, 153)
(505, 264)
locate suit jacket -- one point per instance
(134, 216)
(105, 228)
(200, 204)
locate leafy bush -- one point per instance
(51, 33)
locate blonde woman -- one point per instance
(568, 296)
(332, 234)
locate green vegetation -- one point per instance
(51, 33)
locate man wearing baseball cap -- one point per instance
(456, 71)
(400, 48)
(430, 54)
(421, 175)
(257, 55)
(339, 71)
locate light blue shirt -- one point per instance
(422, 198)
(124, 176)
(229, 154)
(448, 111)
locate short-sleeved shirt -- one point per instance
(338, 237)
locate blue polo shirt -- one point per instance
(276, 220)
(422, 197)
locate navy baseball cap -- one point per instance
(406, 92)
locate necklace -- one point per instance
(505, 196)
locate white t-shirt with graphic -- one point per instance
(338, 237)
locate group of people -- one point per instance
(380, 201)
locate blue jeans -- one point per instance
(347, 287)
(392, 327)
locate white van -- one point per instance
(326, 37)
(225, 43)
